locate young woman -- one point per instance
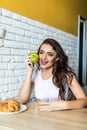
(52, 80)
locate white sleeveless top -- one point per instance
(45, 89)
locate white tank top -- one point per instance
(45, 89)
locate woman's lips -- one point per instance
(43, 62)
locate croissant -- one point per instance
(10, 106)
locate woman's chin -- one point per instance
(43, 67)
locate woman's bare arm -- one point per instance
(76, 88)
(28, 85)
(26, 89)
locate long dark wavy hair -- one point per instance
(60, 67)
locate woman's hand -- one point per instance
(54, 106)
(29, 64)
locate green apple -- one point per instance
(34, 57)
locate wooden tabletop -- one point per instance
(33, 119)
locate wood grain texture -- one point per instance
(33, 119)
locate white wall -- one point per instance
(23, 34)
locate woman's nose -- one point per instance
(44, 56)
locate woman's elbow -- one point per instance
(22, 100)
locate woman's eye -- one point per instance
(40, 52)
(50, 54)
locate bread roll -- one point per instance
(13, 105)
(10, 106)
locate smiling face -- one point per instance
(47, 56)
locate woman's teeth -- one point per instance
(44, 62)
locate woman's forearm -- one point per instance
(76, 104)
(26, 89)
(64, 105)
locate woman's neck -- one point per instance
(46, 73)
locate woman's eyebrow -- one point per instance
(48, 52)
(51, 53)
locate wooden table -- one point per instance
(33, 119)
